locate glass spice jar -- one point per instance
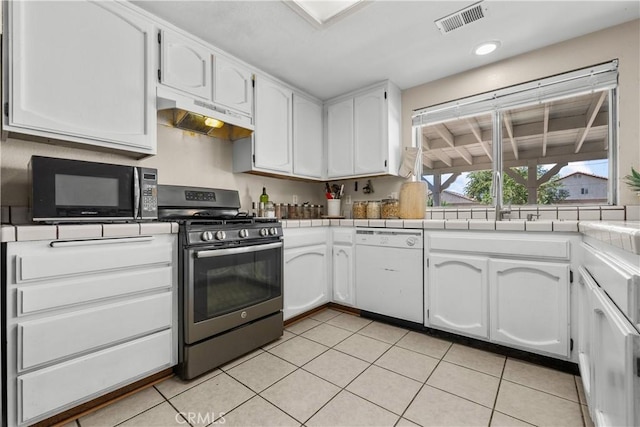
(292, 212)
(373, 209)
(306, 211)
(359, 210)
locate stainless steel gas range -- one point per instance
(230, 269)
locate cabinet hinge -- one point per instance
(571, 344)
(159, 37)
(159, 75)
(385, 94)
(385, 163)
(427, 314)
(254, 158)
(638, 366)
(6, 109)
(570, 276)
(427, 262)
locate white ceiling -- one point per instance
(385, 39)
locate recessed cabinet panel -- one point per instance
(616, 354)
(272, 138)
(340, 139)
(458, 294)
(51, 338)
(586, 288)
(307, 137)
(233, 85)
(305, 279)
(80, 70)
(530, 305)
(343, 275)
(78, 378)
(370, 132)
(185, 65)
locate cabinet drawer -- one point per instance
(52, 338)
(297, 237)
(35, 298)
(65, 261)
(84, 378)
(501, 245)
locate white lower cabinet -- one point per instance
(305, 270)
(509, 289)
(457, 294)
(530, 305)
(85, 318)
(343, 274)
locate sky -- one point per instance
(595, 167)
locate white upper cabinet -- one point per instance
(307, 137)
(80, 71)
(232, 85)
(185, 65)
(273, 134)
(363, 132)
(370, 132)
(340, 139)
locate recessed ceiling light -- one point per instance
(486, 48)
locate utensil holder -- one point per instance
(333, 207)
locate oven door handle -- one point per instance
(232, 251)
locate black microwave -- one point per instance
(64, 190)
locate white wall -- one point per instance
(183, 159)
(621, 42)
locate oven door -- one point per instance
(228, 287)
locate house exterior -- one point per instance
(584, 188)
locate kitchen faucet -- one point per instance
(501, 212)
(531, 216)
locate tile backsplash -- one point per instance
(569, 213)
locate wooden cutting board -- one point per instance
(413, 200)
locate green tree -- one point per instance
(479, 187)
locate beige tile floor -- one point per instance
(335, 369)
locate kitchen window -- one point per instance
(522, 145)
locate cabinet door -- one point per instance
(370, 132)
(272, 137)
(530, 305)
(185, 65)
(616, 356)
(305, 279)
(82, 71)
(586, 288)
(343, 277)
(457, 297)
(340, 139)
(232, 85)
(307, 137)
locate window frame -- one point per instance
(597, 78)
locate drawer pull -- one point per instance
(95, 242)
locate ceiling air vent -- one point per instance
(461, 18)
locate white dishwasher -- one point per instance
(389, 272)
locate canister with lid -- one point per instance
(359, 210)
(373, 209)
(390, 208)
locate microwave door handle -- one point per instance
(136, 193)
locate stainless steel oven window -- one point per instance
(228, 280)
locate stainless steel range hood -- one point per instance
(191, 114)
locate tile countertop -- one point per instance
(622, 234)
(23, 233)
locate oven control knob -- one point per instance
(221, 235)
(273, 231)
(244, 233)
(264, 232)
(206, 236)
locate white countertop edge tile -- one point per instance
(36, 232)
(79, 231)
(7, 233)
(481, 224)
(510, 225)
(456, 224)
(413, 223)
(433, 224)
(120, 230)
(155, 228)
(377, 223)
(539, 225)
(361, 222)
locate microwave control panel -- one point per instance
(149, 194)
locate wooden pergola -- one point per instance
(558, 132)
